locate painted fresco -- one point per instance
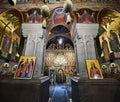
(59, 16)
(112, 70)
(25, 67)
(109, 37)
(86, 16)
(33, 16)
(9, 45)
(10, 22)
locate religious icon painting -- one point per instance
(13, 70)
(4, 70)
(25, 68)
(94, 70)
(115, 70)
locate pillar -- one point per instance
(35, 45)
(84, 46)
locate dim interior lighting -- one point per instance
(60, 41)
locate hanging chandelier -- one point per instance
(60, 60)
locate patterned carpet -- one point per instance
(60, 93)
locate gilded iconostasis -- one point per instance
(60, 57)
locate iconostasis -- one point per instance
(61, 58)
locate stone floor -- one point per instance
(60, 93)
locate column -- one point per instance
(85, 49)
(35, 45)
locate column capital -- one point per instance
(30, 29)
(87, 29)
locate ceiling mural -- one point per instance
(57, 22)
(10, 33)
(108, 17)
(60, 29)
(109, 34)
(32, 15)
(12, 19)
(86, 15)
(92, 4)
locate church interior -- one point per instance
(60, 50)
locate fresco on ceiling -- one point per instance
(60, 29)
(86, 16)
(109, 35)
(10, 24)
(18, 1)
(59, 16)
(33, 16)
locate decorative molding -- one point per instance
(87, 29)
(32, 29)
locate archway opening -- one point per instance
(60, 59)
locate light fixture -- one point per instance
(68, 19)
(68, 6)
(60, 60)
(45, 13)
(12, 2)
(60, 41)
(96, 76)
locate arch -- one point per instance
(104, 12)
(60, 29)
(91, 15)
(29, 15)
(54, 39)
(51, 20)
(61, 56)
(17, 13)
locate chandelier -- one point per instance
(60, 60)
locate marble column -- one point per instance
(84, 45)
(35, 45)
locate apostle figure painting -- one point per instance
(109, 35)
(4, 70)
(25, 67)
(86, 16)
(9, 46)
(33, 16)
